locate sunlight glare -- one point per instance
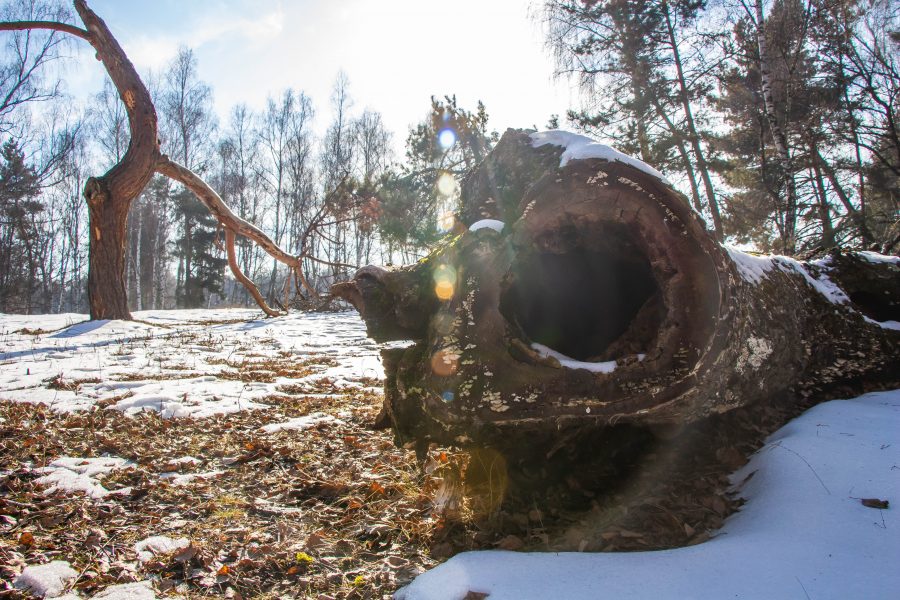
(446, 138)
(446, 221)
(447, 185)
(444, 363)
(443, 290)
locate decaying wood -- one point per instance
(605, 263)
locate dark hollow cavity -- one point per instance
(588, 293)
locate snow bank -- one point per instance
(172, 361)
(579, 147)
(802, 534)
(488, 224)
(47, 580)
(875, 257)
(753, 269)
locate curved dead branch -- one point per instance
(233, 224)
(245, 281)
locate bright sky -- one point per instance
(397, 53)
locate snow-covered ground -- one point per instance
(803, 533)
(133, 365)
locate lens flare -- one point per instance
(446, 138)
(487, 479)
(444, 281)
(446, 221)
(444, 363)
(443, 290)
(447, 185)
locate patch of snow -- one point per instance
(140, 590)
(81, 475)
(488, 224)
(181, 353)
(875, 257)
(300, 423)
(751, 267)
(580, 147)
(47, 580)
(570, 363)
(166, 406)
(155, 545)
(884, 324)
(803, 532)
(186, 478)
(823, 284)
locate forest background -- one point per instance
(779, 121)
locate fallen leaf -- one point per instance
(875, 503)
(26, 539)
(314, 541)
(186, 554)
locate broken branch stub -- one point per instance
(604, 300)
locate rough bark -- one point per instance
(605, 263)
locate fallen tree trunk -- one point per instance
(587, 294)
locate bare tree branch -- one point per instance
(245, 281)
(51, 25)
(226, 217)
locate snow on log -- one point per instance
(604, 300)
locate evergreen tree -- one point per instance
(196, 249)
(189, 125)
(643, 89)
(20, 236)
(415, 202)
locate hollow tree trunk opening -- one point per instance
(599, 259)
(588, 293)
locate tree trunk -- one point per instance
(779, 135)
(108, 220)
(604, 301)
(693, 135)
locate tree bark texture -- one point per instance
(109, 197)
(649, 320)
